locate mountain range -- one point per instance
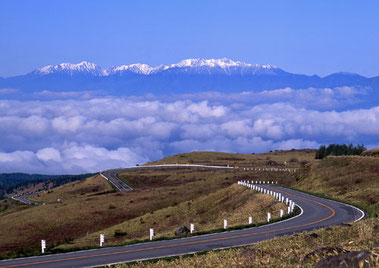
(187, 76)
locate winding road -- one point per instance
(23, 198)
(316, 213)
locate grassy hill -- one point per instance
(293, 159)
(372, 152)
(17, 183)
(165, 199)
(352, 179)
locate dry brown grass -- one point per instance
(354, 179)
(9, 206)
(234, 203)
(90, 206)
(298, 250)
(294, 159)
(56, 221)
(372, 152)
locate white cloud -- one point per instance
(47, 154)
(69, 158)
(72, 136)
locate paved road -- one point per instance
(24, 199)
(111, 176)
(316, 213)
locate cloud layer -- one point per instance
(93, 134)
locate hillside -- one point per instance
(278, 159)
(17, 183)
(372, 152)
(352, 179)
(347, 178)
(76, 213)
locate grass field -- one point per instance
(293, 159)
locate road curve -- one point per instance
(316, 213)
(23, 198)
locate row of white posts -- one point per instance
(151, 234)
(289, 203)
(278, 196)
(259, 182)
(272, 169)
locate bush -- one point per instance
(119, 233)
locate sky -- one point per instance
(62, 132)
(309, 37)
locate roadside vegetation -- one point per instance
(207, 212)
(348, 178)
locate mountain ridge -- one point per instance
(186, 76)
(142, 68)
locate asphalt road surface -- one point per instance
(316, 213)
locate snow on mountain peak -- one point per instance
(223, 65)
(135, 68)
(70, 68)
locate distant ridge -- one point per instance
(186, 76)
(209, 66)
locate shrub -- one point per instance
(119, 233)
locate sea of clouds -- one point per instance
(79, 132)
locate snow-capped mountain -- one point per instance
(137, 68)
(223, 65)
(83, 67)
(186, 76)
(191, 66)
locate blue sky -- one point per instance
(311, 37)
(83, 131)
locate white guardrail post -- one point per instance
(281, 213)
(225, 224)
(250, 220)
(43, 246)
(151, 233)
(268, 216)
(101, 240)
(192, 227)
